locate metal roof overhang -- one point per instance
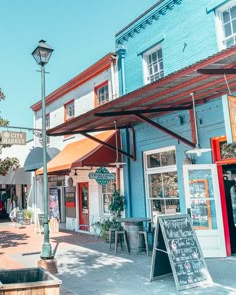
(207, 79)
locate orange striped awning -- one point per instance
(85, 152)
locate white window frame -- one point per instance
(145, 62)
(103, 213)
(149, 171)
(219, 23)
(70, 110)
(106, 98)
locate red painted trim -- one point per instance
(215, 144)
(193, 129)
(80, 186)
(224, 210)
(100, 66)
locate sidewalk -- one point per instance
(87, 266)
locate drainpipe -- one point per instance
(113, 76)
(121, 52)
(128, 189)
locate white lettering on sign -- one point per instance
(13, 138)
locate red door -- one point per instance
(83, 206)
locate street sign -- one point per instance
(10, 137)
(102, 176)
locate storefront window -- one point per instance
(162, 182)
(107, 193)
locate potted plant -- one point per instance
(117, 204)
(105, 224)
(28, 214)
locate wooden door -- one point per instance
(83, 206)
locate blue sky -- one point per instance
(80, 31)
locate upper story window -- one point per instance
(153, 64)
(69, 110)
(101, 94)
(226, 24)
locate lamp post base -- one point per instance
(48, 264)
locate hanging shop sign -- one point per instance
(232, 115)
(229, 111)
(10, 137)
(102, 176)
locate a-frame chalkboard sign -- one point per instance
(176, 249)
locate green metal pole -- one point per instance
(46, 248)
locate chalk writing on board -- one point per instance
(184, 252)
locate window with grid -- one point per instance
(107, 194)
(47, 118)
(227, 24)
(69, 110)
(153, 64)
(161, 182)
(102, 94)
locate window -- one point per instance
(161, 182)
(153, 64)
(47, 127)
(101, 94)
(226, 24)
(69, 110)
(107, 193)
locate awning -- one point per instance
(34, 160)
(85, 152)
(167, 94)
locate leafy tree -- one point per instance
(8, 163)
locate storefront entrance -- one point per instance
(83, 206)
(229, 172)
(203, 202)
(224, 155)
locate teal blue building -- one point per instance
(176, 111)
(168, 38)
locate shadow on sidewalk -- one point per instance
(9, 239)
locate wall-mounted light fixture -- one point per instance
(181, 120)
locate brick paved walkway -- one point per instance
(23, 240)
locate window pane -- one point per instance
(156, 189)
(102, 95)
(154, 56)
(159, 53)
(234, 26)
(168, 158)
(229, 42)
(170, 184)
(233, 200)
(228, 31)
(225, 16)
(153, 160)
(233, 12)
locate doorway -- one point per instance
(83, 206)
(229, 172)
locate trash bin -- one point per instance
(28, 281)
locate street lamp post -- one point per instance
(42, 54)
